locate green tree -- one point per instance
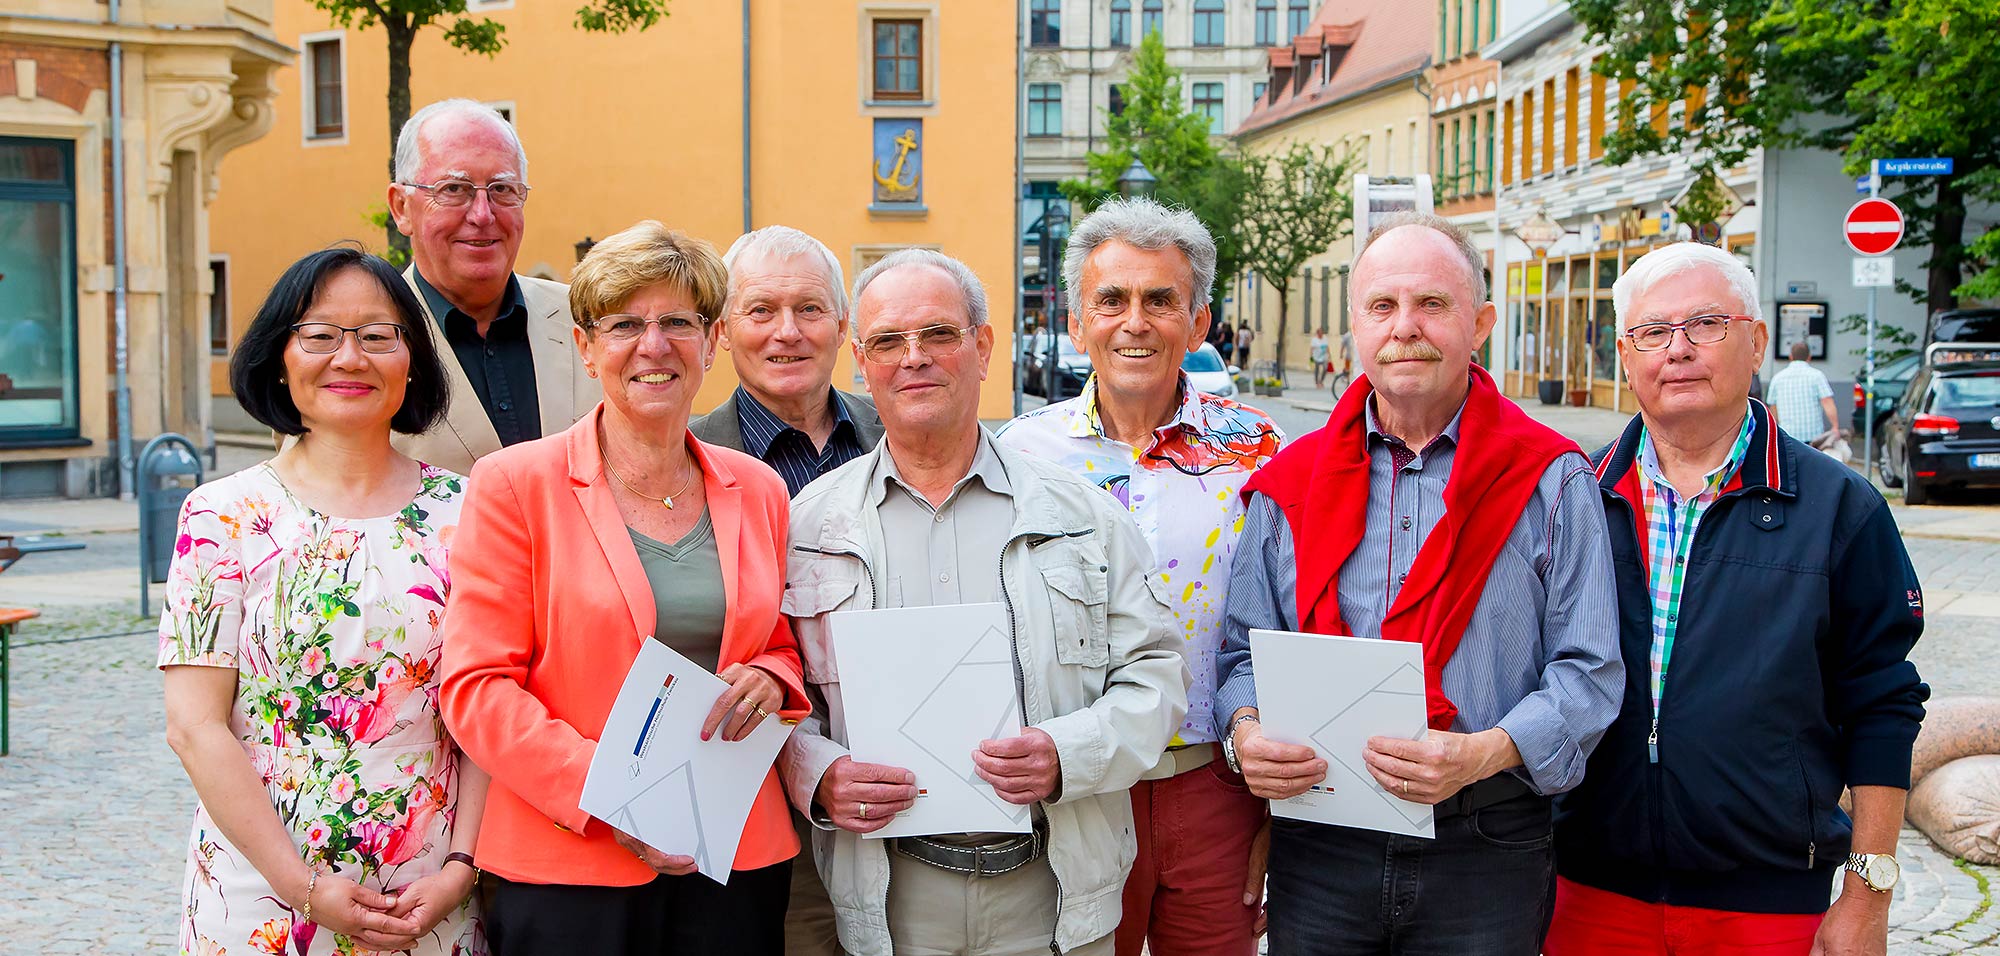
(1158, 129)
(402, 20)
(1870, 78)
(1295, 204)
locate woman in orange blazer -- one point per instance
(571, 552)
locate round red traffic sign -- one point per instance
(1873, 227)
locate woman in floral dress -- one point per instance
(300, 642)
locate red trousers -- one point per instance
(1185, 894)
(1590, 921)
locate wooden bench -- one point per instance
(9, 618)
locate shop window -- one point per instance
(38, 342)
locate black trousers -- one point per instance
(671, 916)
(1484, 887)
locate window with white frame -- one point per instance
(325, 85)
(1044, 109)
(1208, 102)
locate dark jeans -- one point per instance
(1484, 887)
(690, 915)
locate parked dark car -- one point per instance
(1892, 379)
(1963, 325)
(1072, 369)
(1945, 432)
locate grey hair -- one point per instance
(1474, 262)
(409, 152)
(961, 274)
(1672, 260)
(784, 242)
(1149, 225)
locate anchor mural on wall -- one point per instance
(896, 165)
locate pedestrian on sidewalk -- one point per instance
(301, 638)
(1772, 583)
(1801, 400)
(1244, 336)
(1321, 354)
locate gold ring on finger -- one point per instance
(864, 811)
(1406, 788)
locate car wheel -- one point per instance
(1916, 492)
(1884, 468)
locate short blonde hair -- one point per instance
(648, 253)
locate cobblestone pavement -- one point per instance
(97, 809)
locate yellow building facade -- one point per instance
(1351, 81)
(620, 128)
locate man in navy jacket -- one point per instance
(1766, 613)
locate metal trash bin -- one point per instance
(165, 465)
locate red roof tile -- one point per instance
(1377, 41)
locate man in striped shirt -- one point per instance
(1430, 509)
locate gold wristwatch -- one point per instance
(1879, 870)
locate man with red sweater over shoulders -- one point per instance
(1429, 509)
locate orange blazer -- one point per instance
(549, 605)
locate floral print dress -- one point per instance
(334, 626)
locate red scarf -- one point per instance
(1321, 482)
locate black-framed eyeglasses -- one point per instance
(626, 327)
(1700, 330)
(934, 341)
(320, 338)
(459, 192)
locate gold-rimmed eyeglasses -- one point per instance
(459, 192)
(934, 341)
(625, 326)
(1700, 330)
(321, 338)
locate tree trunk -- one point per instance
(1947, 270)
(1284, 313)
(400, 36)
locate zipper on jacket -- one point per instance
(1021, 689)
(1653, 742)
(1812, 834)
(856, 555)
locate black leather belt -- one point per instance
(991, 859)
(1498, 788)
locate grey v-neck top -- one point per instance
(688, 600)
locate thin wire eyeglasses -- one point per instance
(458, 192)
(625, 326)
(1700, 330)
(321, 338)
(933, 341)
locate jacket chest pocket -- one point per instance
(807, 603)
(1076, 594)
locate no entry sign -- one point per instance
(1873, 227)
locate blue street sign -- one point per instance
(1861, 185)
(1928, 166)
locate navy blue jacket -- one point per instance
(1790, 680)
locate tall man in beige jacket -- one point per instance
(460, 189)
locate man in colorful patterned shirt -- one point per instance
(1766, 613)
(1139, 276)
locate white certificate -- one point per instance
(1332, 694)
(922, 687)
(656, 779)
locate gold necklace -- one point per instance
(668, 500)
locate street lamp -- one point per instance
(1137, 180)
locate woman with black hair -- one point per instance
(300, 639)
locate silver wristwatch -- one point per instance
(1229, 743)
(1879, 870)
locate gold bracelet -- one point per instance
(311, 883)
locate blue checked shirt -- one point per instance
(1794, 394)
(1671, 522)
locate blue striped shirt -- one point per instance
(790, 452)
(1539, 658)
